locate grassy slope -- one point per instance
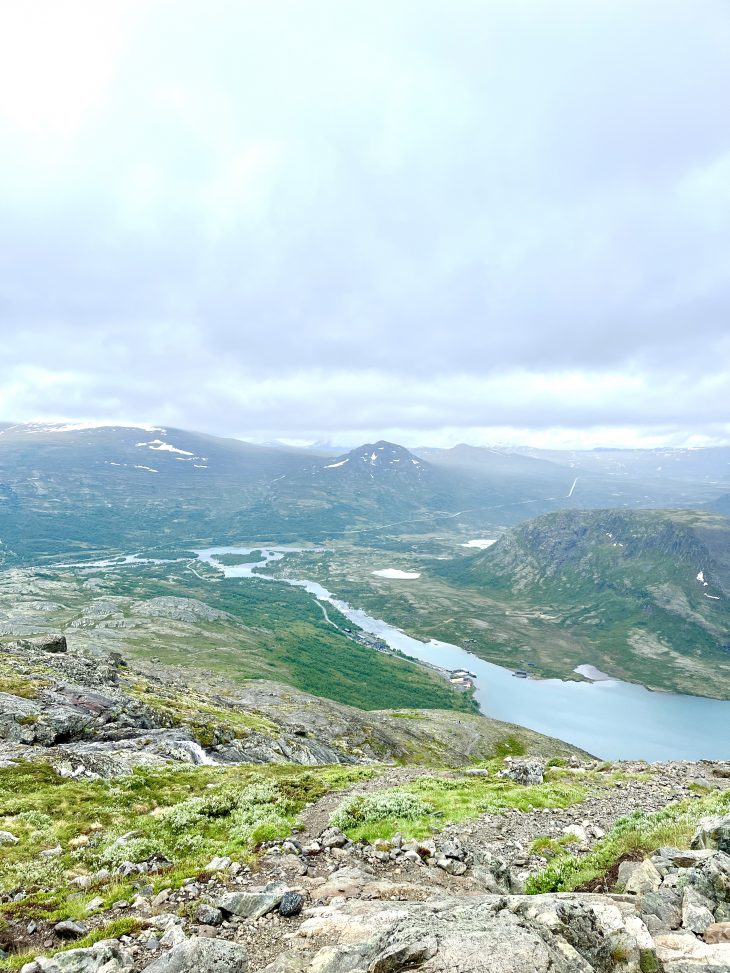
(271, 631)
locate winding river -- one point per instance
(611, 719)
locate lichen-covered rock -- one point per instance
(202, 955)
(662, 909)
(567, 933)
(711, 878)
(643, 878)
(251, 905)
(291, 904)
(525, 772)
(108, 954)
(696, 915)
(713, 832)
(208, 915)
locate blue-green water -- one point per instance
(612, 719)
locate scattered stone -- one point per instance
(109, 955)
(525, 772)
(291, 904)
(8, 838)
(173, 935)
(70, 929)
(48, 643)
(162, 896)
(82, 881)
(208, 915)
(333, 838)
(578, 832)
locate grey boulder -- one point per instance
(643, 878)
(713, 832)
(201, 955)
(525, 772)
(251, 905)
(108, 953)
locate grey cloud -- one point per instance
(273, 210)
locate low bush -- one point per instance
(387, 805)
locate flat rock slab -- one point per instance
(683, 953)
(107, 954)
(202, 955)
(476, 934)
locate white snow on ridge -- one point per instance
(67, 425)
(480, 543)
(162, 447)
(714, 597)
(333, 466)
(148, 468)
(373, 457)
(701, 578)
(395, 573)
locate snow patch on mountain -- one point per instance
(395, 573)
(69, 425)
(163, 447)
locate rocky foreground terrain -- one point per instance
(147, 823)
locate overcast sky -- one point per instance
(481, 220)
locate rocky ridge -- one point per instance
(99, 715)
(327, 898)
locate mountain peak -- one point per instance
(377, 459)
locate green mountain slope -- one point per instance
(198, 619)
(644, 595)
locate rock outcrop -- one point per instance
(95, 714)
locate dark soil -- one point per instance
(607, 881)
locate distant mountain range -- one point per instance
(68, 487)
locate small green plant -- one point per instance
(619, 955)
(673, 825)
(363, 809)
(510, 746)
